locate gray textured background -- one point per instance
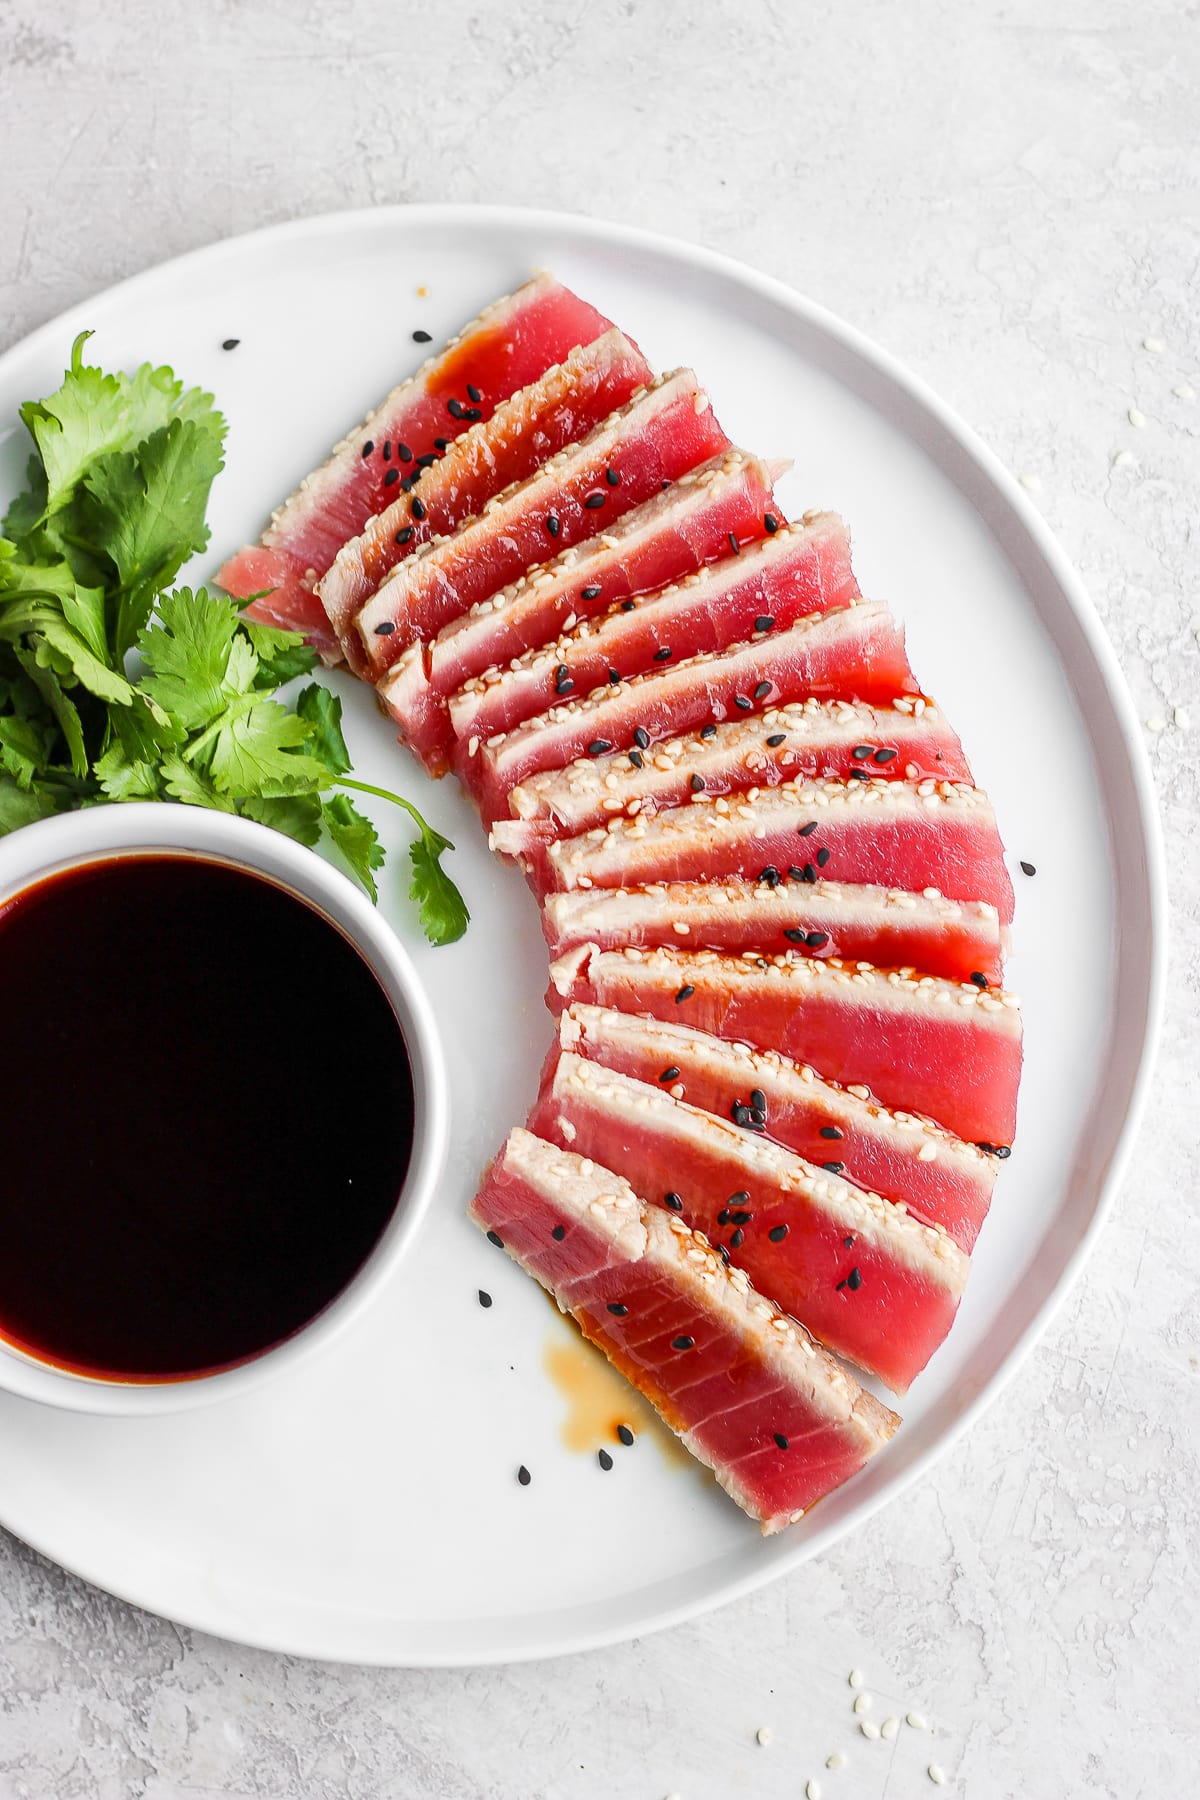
(1006, 195)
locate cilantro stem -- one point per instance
(365, 787)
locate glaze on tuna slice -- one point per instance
(777, 1420)
(864, 1277)
(675, 531)
(801, 569)
(563, 405)
(949, 1050)
(655, 438)
(510, 344)
(901, 834)
(940, 1179)
(908, 740)
(955, 938)
(850, 651)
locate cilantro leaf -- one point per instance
(299, 815)
(281, 654)
(323, 711)
(125, 777)
(355, 838)
(442, 909)
(187, 653)
(24, 806)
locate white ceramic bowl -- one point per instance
(26, 856)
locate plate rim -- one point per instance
(1152, 869)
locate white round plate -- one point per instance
(366, 1507)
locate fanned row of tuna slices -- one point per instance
(776, 905)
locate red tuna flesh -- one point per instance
(889, 926)
(563, 405)
(652, 439)
(776, 1419)
(909, 740)
(666, 537)
(939, 1178)
(947, 1049)
(886, 1300)
(850, 651)
(802, 569)
(901, 834)
(509, 345)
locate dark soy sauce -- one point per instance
(207, 1114)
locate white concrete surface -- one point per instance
(1005, 194)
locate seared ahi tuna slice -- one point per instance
(801, 569)
(860, 1273)
(852, 650)
(903, 834)
(775, 1418)
(559, 408)
(942, 1180)
(663, 539)
(956, 938)
(909, 740)
(947, 1049)
(666, 431)
(509, 345)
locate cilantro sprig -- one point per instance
(115, 685)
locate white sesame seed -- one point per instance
(763, 1735)
(937, 1774)
(812, 1790)
(863, 1704)
(1185, 391)
(1122, 459)
(836, 1761)
(701, 402)
(1182, 718)
(1156, 723)
(856, 1678)
(916, 1720)
(889, 1728)
(1030, 483)
(1154, 345)
(1136, 418)
(927, 1153)
(869, 1728)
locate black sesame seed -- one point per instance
(708, 731)
(598, 747)
(861, 752)
(669, 1075)
(637, 759)
(854, 1280)
(758, 1099)
(739, 1112)
(978, 978)
(385, 628)
(368, 447)
(455, 408)
(441, 443)
(762, 690)
(628, 605)
(737, 1240)
(764, 622)
(472, 413)
(733, 543)
(564, 686)
(421, 337)
(392, 475)
(817, 940)
(230, 343)
(783, 1444)
(473, 393)
(1002, 1151)
(663, 655)
(594, 501)
(617, 1310)
(494, 1237)
(403, 536)
(822, 857)
(591, 593)
(641, 737)
(831, 1131)
(758, 1118)
(795, 873)
(665, 486)
(427, 461)
(808, 873)
(696, 783)
(673, 1202)
(685, 992)
(604, 1459)
(625, 1435)
(776, 738)
(1028, 869)
(834, 1168)
(738, 1199)
(418, 509)
(408, 484)
(777, 1233)
(485, 1299)
(771, 523)
(552, 525)
(523, 1476)
(614, 678)
(770, 875)
(741, 1217)
(723, 1216)
(559, 1233)
(723, 1253)
(613, 477)
(793, 935)
(741, 702)
(849, 1241)
(807, 830)
(858, 775)
(683, 1343)
(387, 450)
(884, 755)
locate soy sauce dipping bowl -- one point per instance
(33, 853)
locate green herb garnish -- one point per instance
(113, 686)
